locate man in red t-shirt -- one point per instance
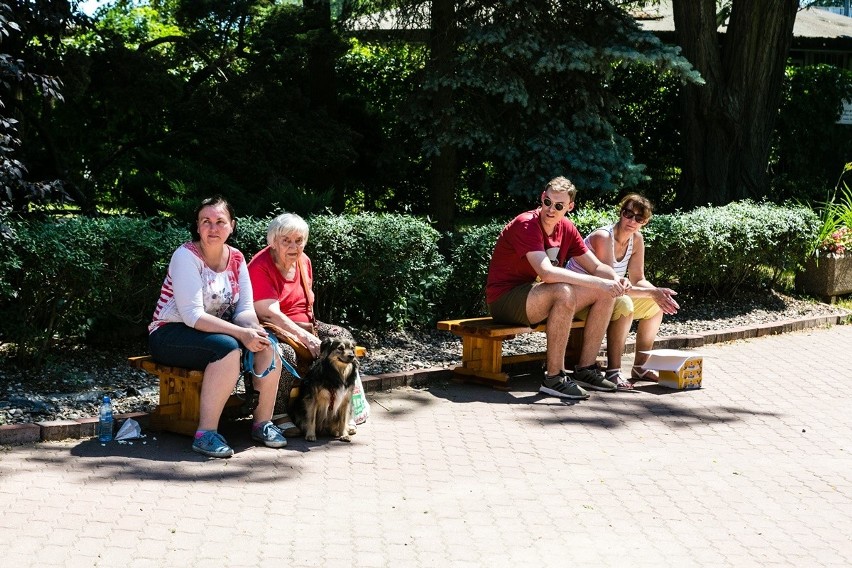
(528, 284)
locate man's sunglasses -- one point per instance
(548, 203)
(627, 214)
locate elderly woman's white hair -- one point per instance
(286, 224)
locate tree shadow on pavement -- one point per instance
(648, 402)
(161, 456)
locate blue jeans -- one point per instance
(179, 345)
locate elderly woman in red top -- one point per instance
(281, 277)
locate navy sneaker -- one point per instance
(592, 378)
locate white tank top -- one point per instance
(619, 266)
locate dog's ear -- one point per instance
(327, 346)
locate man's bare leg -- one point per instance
(556, 304)
(600, 310)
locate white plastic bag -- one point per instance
(360, 406)
(130, 430)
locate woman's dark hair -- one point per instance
(214, 201)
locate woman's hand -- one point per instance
(312, 342)
(255, 339)
(663, 297)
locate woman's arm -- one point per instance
(641, 286)
(270, 311)
(245, 315)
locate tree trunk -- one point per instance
(729, 121)
(322, 76)
(443, 175)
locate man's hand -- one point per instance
(614, 288)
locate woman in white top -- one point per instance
(205, 320)
(621, 246)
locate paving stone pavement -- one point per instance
(754, 469)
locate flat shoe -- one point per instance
(286, 425)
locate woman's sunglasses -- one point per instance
(630, 215)
(548, 203)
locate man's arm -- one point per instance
(600, 276)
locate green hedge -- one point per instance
(722, 249)
(74, 276)
(100, 278)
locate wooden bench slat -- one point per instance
(482, 347)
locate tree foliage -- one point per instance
(21, 90)
(811, 146)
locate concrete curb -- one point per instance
(17, 434)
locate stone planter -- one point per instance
(828, 278)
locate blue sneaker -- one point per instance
(212, 444)
(270, 435)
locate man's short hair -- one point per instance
(561, 184)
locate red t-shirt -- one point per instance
(268, 283)
(509, 267)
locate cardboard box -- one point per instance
(677, 369)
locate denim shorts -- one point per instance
(179, 345)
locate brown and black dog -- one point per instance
(325, 394)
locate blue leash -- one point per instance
(248, 361)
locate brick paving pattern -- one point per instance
(755, 469)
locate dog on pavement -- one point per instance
(325, 394)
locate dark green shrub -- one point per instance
(250, 236)
(134, 266)
(589, 219)
(379, 271)
(66, 277)
(721, 249)
(98, 278)
(471, 253)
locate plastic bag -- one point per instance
(360, 406)
(130, 430)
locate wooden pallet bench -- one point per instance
(180, 395)
(482, 348)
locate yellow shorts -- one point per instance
(641, 308)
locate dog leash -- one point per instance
(248, 361)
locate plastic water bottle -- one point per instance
(105, 422)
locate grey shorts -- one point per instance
(511, 307)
